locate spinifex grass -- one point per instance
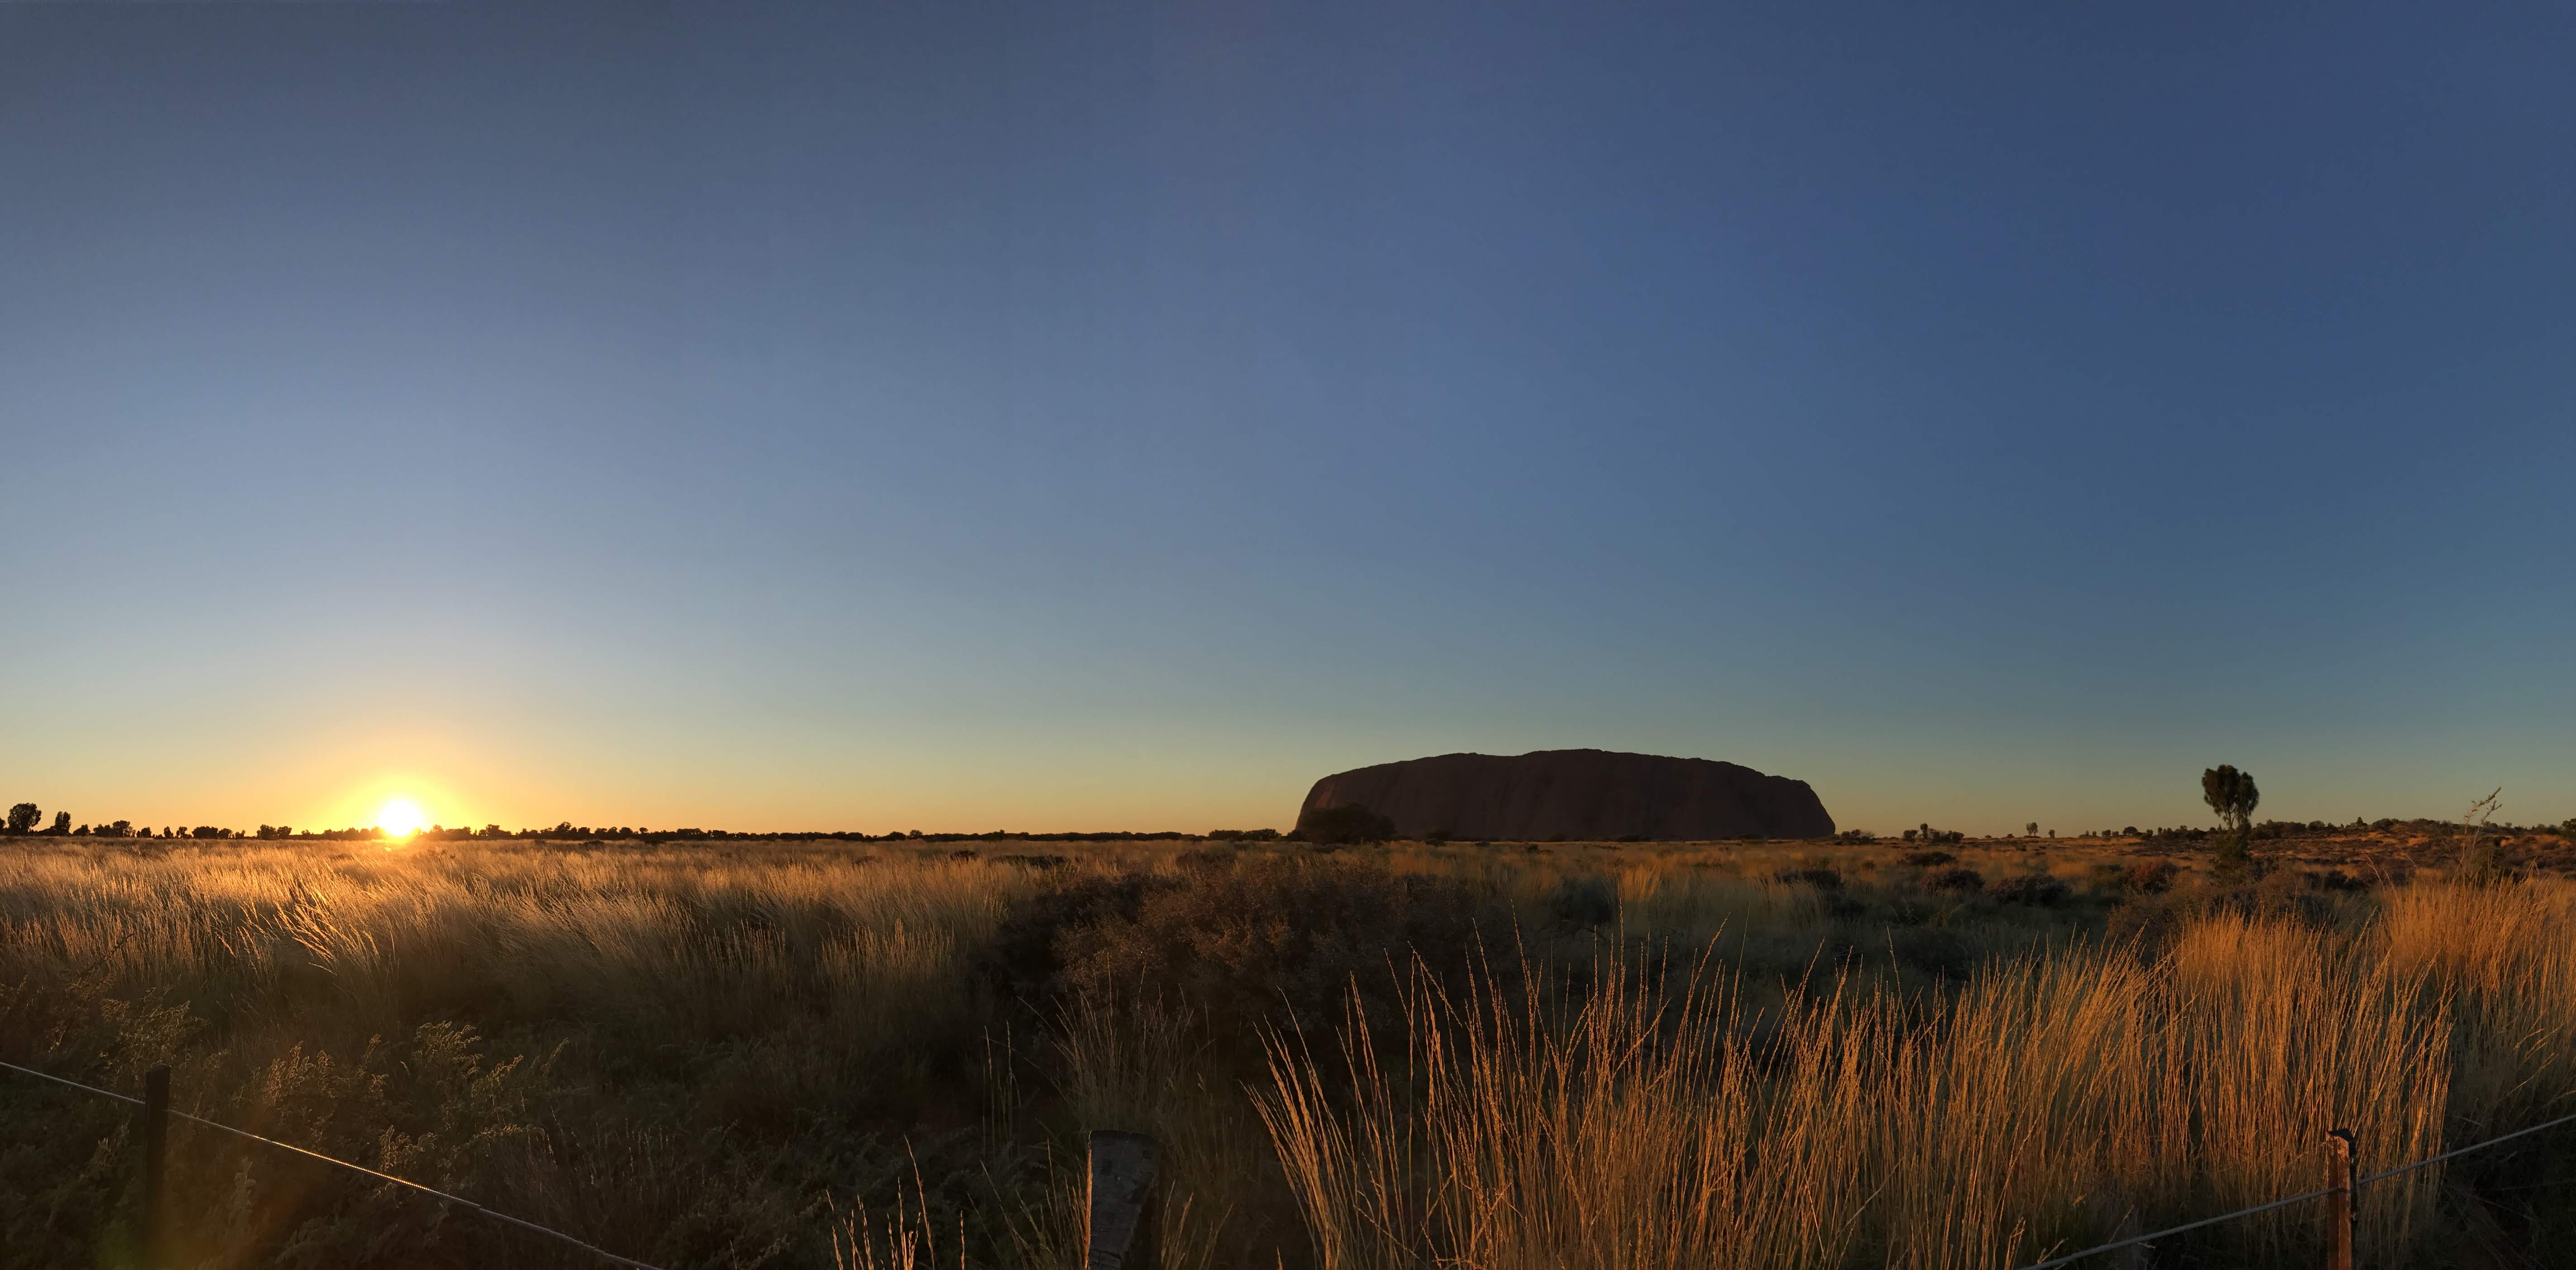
(702, 1055)
(1630, 1117)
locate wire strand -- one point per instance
(104, 1093)
(2357, 1183)
(2174, 1230)
(289, 1146)
(2474, 1146)
(595, 1249)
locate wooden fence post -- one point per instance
(156, 1133)
(2340, 1213)
(1119, 1231)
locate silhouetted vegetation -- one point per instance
(2232, 795)
(1345, 825)
(1822, 879)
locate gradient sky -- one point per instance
(967, 416)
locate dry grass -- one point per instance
(796, 1054)
(2053, 1099)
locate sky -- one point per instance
(1052, 416)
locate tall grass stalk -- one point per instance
(1630, 1118)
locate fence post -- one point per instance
(1118, 1234)
(2339, 1206)
(156, 1132)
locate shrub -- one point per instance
(1584, 901)
(1933, 950)
(1234, 945)
(1964, 881)
(2037, 889)
(1047, 861)
(2154, 877)
(1820, 878)
(1345, 824)
(1927, 859)
(2283, 896)
(1024, 958)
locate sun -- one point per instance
(400, 818)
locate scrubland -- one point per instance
(1500, 1057)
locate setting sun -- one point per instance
(400, 818)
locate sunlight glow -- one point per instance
(400, 818)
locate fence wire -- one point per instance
(2067, 1259)
(522, 1223)
(2357, 1184)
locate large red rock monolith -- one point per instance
(1595, 794)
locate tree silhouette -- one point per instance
(23, 818)
(2232, 795)
(1348, 823)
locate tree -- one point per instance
(23, 818)
(62, 824)
(2030, 830)
(2232, 795)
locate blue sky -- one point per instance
(968, 417)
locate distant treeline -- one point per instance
(26, 819)
(2274, 830)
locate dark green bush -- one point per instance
(1820, 878)
(2037, 889)
(1244, 944)
(1344, 825)
(1964, 881)
(1023, 957)
(1933, 950)
(1584, 901)
(2154, 877)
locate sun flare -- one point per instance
(400, 818)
